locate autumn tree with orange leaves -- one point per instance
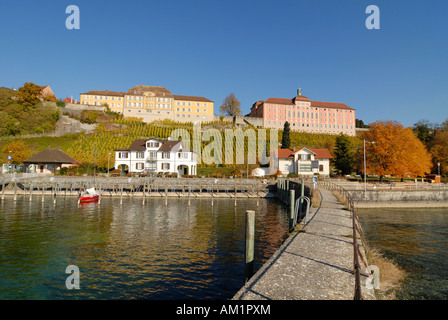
(394, 150)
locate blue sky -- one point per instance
(255, 49)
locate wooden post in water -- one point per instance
(144, 189)
(53, 191)
(258, 195)
(292, 195)
(31, 191)
(121, 194)
(166, 195)
(3, 189)
(189, 191)
(235, 194)
(42, 192)
(15, 190)
(99, 194)
(212, 194)
(250, 240)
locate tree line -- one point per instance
(394, 150)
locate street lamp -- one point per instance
(440, 178)
(108, 164)
(9, 161)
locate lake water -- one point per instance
(130, 251)
(417, 240)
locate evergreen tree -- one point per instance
(344, 157)
(286, 141)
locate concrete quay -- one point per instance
(315, 264)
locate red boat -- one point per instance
(89, 196)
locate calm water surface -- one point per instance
(130, 251)
(417, 240)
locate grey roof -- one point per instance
(50, 156)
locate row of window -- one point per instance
(278, 107)
(312, 125)
(178, 103)
(152, 155)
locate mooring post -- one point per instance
(258, 195)
(250, 240)
(121, 194)
(212, 193)
(42, 191)
(292, 195)
(144, 189)
(189, 191)
(3, 189)
(166, 195)
(235, 194)
(15, 190)
(31, 191)
(100, 195)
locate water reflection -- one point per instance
(131, 251)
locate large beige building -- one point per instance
(153, 103)
(193, 109)
(114, 99)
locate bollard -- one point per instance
(15, 190)
(292, 195)
(250, 240)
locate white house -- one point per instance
(303, 162)
(157, 156)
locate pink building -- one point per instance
(305, 115)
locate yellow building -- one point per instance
(192, 109)
(149, 103)
(153, 103)
(115, 100)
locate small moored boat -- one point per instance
(89, 196)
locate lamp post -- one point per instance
(9, 161)
(108, 164)
(438, 170)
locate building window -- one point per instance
(183, 155)
(152, 166)
(165, 166)
(139, 166)
(123, 155)
(165, 155)
(152, 145)
(305, 167)
(140, 155)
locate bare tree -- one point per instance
(231, 106)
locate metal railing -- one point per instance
(345, 198)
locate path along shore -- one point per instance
(316, 264)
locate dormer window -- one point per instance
(152, 144)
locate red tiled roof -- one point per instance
(331, 105)
(191, 98)
(285, 153)
(280, 101)
(322, 154)
(105, 93)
